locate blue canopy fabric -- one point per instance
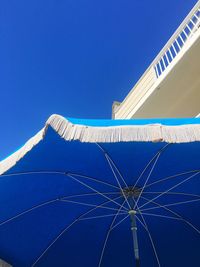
(66, 201)
(169, 122)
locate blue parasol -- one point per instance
(103, 193)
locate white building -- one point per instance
(170, 87)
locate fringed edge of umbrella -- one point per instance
(107, 134)
(12, 160)
(124, 133)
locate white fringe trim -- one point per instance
(108, 134)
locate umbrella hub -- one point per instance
(131, 191)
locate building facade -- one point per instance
(170, 87)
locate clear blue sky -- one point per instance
(75, 57)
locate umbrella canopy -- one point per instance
(103, 193)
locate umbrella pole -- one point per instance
(135, 239)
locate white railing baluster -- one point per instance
(197, 17)
(174, 48)
(195, 26)
(163, 61)
(161, 70)
(169, 49)
(183, 41)
(189, 28)
(178, 44)
(185, 33)
(156, 69)
(167, 58)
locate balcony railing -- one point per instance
(186, 30)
